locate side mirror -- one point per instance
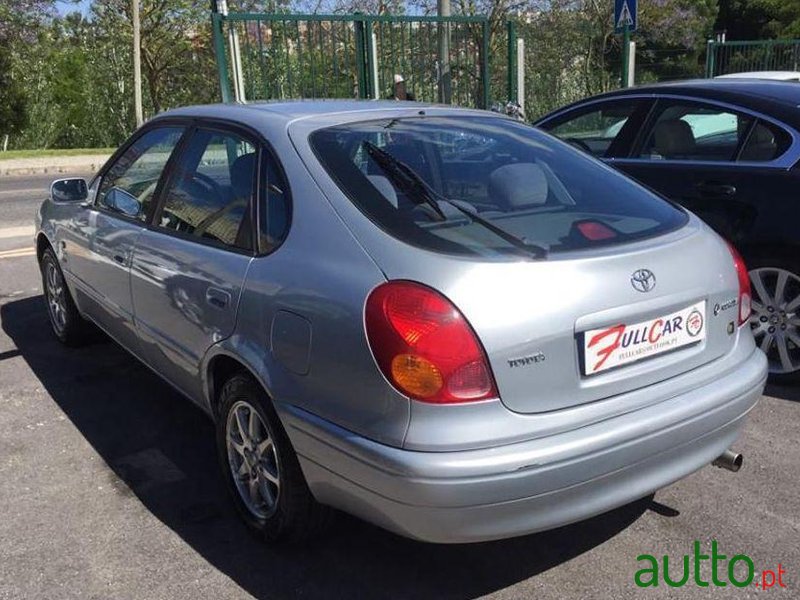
(69, 190)
(121, 201)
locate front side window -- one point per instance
(128, 186)
(695, 131)
(525, 193)
(211, 192)
(594, 129)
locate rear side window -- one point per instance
(491, 187)
(696, 132)
(211, 192)
(275, 213)
(766, 142)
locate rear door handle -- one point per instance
(217, 298)
(716, 188)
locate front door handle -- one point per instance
(217, 298)
(716, 188)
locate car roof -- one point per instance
(275, 117)
(777, 75)
(780, 99)
(290, 110)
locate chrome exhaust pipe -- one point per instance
(729, 460)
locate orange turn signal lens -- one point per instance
(416, 375)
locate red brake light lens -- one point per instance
(424, 346)
(745, 294)
(595, 231)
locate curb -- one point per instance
(93, 165)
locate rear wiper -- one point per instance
(404, 177)
(418, 190)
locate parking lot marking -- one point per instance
(21, 231)
(19, 252)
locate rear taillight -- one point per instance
(424, 345)
(745, 295)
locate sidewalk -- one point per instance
(51, 164)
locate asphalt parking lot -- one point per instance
(110, 489)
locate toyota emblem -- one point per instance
(643, 280)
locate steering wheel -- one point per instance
(579, 144)
(208, 184)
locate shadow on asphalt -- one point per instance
(784, 392)
(162, 448)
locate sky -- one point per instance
(65, 7)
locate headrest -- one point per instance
(385, 187)
(673, 138)
(519, 184)
(242, 176)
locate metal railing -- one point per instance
(283, 56)
(739, 57)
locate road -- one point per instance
(21, 196)
(19, 199)
(110, 490)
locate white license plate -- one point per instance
(622, 343)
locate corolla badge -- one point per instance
(643, 280)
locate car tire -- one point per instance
(66, 322)
(261, 469)
(772, 324)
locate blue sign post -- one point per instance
(625, 21)
(625, 15)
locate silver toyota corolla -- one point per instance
(441, 320)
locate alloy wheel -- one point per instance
(775, 319)
(56, 302)
(253, 459)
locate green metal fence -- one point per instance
(357, 56)
(740, 57)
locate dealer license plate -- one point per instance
(621, 344)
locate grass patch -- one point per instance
(11, 154)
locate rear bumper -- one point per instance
(505, 491)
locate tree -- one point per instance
(18, 21)
(177, 62)
(759, 19)
(13, 105)
(17, 17)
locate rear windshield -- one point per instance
(487, 186)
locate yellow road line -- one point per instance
(17, 253)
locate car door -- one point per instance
(189, 266)
(717, 161)
(99, 245)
